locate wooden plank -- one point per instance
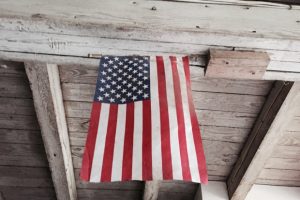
(271, 123)
(202, 100)
(84, 194)
(282, 151)
(19, 122)
(237, 64)
(283, 163)
(25, 176)
(280, 174)
(291, 138)
(45, 86)
(28, 161)
(215, 190)
(88, 75)
(17, 106)
(17, 87)
(12, 69)
(289, 183)
(25, 193)
(20, 136)
(151, 190)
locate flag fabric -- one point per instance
(143, 122)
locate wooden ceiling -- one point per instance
(64, 36)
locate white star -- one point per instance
(107, 86)
(140, 67)
(145, 95)
(102, 81)
(140, 83)
(140, 61)
(140, 74)
(145, 71)
(129, 94)
(124, 82)
(129, 76)
(113, 91)
(106, 94)
(135, 59)
(112, 100)
(125, 66)
(140, 92)
(106, 57)
(119, 87)
(134, 98)
(118, 95)
(116, 58)
(120, 63)
(114, 74)
(110, 62)
(124, 74)
(145, 86)
(100, 98)
(145, 64)
(108, 78)
(115, 66)
(104, 64)
(130, 62)
(145, 58)
(113, 82)
(123, 100)
(145, 77)
(103, 73)
(129, 69)
(129, 85)
(134, 79)
(134, 71)
(126, 59)
(124, 90)
(134, 88)
(109, 70)
(135, 64)
(119, 78)
(101, 89)
(120, 70)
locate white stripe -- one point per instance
(155, 123)
(188, 125)
(174, 139)
(119, 144)
(137, 141)
(100, 143)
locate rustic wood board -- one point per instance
(23, 193)
(237, 64)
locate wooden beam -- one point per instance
(198, 195)
(83, 31)
(214, 190)
(47, 96)
(271, 124)
(151, 190)
(237, 64)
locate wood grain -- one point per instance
(265, 134)
(23, 193)
(42, 83)
(237, 64)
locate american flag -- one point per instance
(143, 123)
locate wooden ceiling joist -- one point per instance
(151, 190)
(47, 96)
(271, 124)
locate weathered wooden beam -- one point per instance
(271, 124)
(151, 190)
(47, 96)
(237, 64)
(198, 195)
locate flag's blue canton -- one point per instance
(123, 79)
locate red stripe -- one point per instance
(147, 151)
(195, 125)
(186, 173)
(164, 121)
(90, 142)
(128, 143)
(109, 143)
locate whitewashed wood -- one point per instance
(269, 143)
(54, 83)
(280, 174)
(14, 87)
(151, 190)
(215, 190)
(236, 64)
(45, 88)
(89, 194)
(289, 183)
(283, 163)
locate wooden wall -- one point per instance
(226, 110)
(24, 171)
